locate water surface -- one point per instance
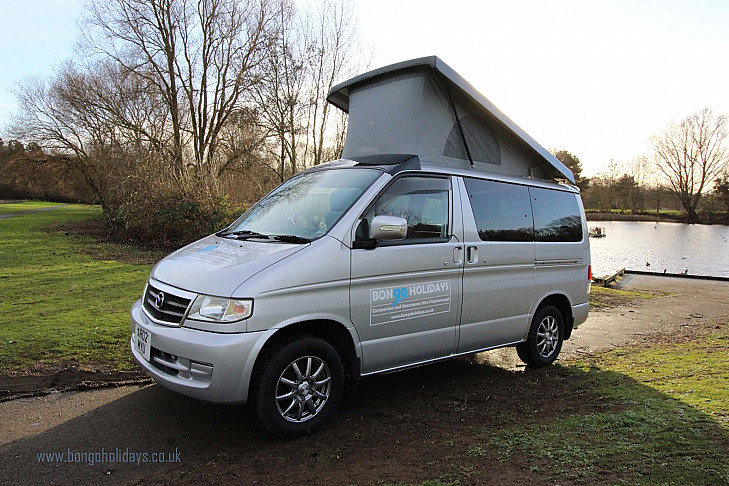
(674, 247)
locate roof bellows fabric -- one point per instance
(423, 107)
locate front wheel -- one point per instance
(298, 387)
(545, 338)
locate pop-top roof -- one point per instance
(423, 107)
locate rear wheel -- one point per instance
(299, 386)
(545, 338)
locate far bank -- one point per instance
(718, 218)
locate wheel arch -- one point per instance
(330, 331)
(564, 306)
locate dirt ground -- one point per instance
(111, 245)
(394, 428)
(65, 379)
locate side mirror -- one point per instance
(388, 228)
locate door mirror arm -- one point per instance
(364, 244)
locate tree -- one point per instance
(661, 197)
(311, 51)
(721, 191)
(573, 164)
(98, 121)
(199, 57)
(628, 193)
(691, 154)
(168, 106)
(640, 168)
(280, 97)
(330, 60)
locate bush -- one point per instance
(171, 218)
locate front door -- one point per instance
(405, 295)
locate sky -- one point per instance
(596, 78)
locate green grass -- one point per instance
(57, 304)
(697, 374)
(25, 206)
(665, 419)
(604, 297)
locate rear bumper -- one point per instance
(206, 365)
(579, 313)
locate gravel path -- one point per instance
(688, 302)
(18, 213)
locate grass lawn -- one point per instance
(605, 297)
(59, 306)
(665, 419)
(25, 206)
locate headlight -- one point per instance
(218, 309)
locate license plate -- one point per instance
(143, 342)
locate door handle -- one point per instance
(458, 255)
(472, 254)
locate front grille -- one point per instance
(171, 311)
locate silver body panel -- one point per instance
(476, 299)
(498, 288)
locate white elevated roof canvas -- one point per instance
(411, 108)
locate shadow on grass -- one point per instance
(454, 422)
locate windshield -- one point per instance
(306, 206)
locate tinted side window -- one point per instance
(556, 215)
(502, 211)
(422, 201)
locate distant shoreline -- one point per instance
(652, 218)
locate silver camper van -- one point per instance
(443, 230)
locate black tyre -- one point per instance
(297, 388)
(546, 335)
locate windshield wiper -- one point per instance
(243, 234)
(291, 239)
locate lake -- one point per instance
(675, 247)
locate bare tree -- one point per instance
(331, 59)
(340, 133)
(56, 116)
(312, 51)
(281, 95)
(691, 154)
(161, 98)
(640, 168)
(199, 56)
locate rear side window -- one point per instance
(502, 210)
(422, 201)
(556, 215)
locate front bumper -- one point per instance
(210, 366)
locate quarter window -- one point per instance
(502, 211)
(556, 215)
